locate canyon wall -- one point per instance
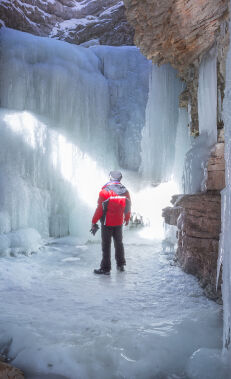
(183, 33)
(180, 32)
(70, 20)
(198, 221)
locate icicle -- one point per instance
(207, 97)
(159, 133)
(182, 145)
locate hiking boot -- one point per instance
(120, 268)
(101, 271)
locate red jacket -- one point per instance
(114, 205)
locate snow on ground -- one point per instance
(58, 318)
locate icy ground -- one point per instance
(59, 320)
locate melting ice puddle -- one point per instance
(58, 318)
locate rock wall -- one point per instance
(198, 221)
(176, 31)
(73, 21)
(10, 372)
(180, 32)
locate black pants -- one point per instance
(107, 232)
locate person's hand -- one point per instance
(94, 228)
(126, 223)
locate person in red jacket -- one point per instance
(114, 209)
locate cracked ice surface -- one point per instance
(143, 323)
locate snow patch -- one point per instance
(112, 9)
(66, 26)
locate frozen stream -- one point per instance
(64, 321)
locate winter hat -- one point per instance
(115, 175)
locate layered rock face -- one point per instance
(198, 221)
(176, 31)
(9, 372)
(197, 218)
(70, 20)
(180, 32)
(216, 169)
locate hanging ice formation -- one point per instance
(159, 133)
(59, 119)
(225, 240)
(197, 156)
(182, 146)
(69, 114)
(167, 148)
(127, 73)
(207, 116)
(207, 97)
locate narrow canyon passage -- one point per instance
(58, 318)
(69, 115)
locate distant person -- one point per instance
(114, 209)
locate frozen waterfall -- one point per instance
(69, 115)
(127, 73)
(168, 150)
(197, 155)
(63, 115)
(225, 240)
(159, 133)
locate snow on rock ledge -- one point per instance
(70, 20)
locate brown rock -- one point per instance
(198, 226)
(198, 256)
(216, 169)
(221, 136)
(176, 31)
(216, 180)
(181, 32)
(198, 220)
(10, 372)
(205, 203)
(184, 99)
(171, 215)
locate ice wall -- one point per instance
(183, 144)
(159, 133)
(127, 72)
(57, 80)
(45, 180)
(225, 240)
(195, 162)
(207, 97)
(69, 115)
(196, 157)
